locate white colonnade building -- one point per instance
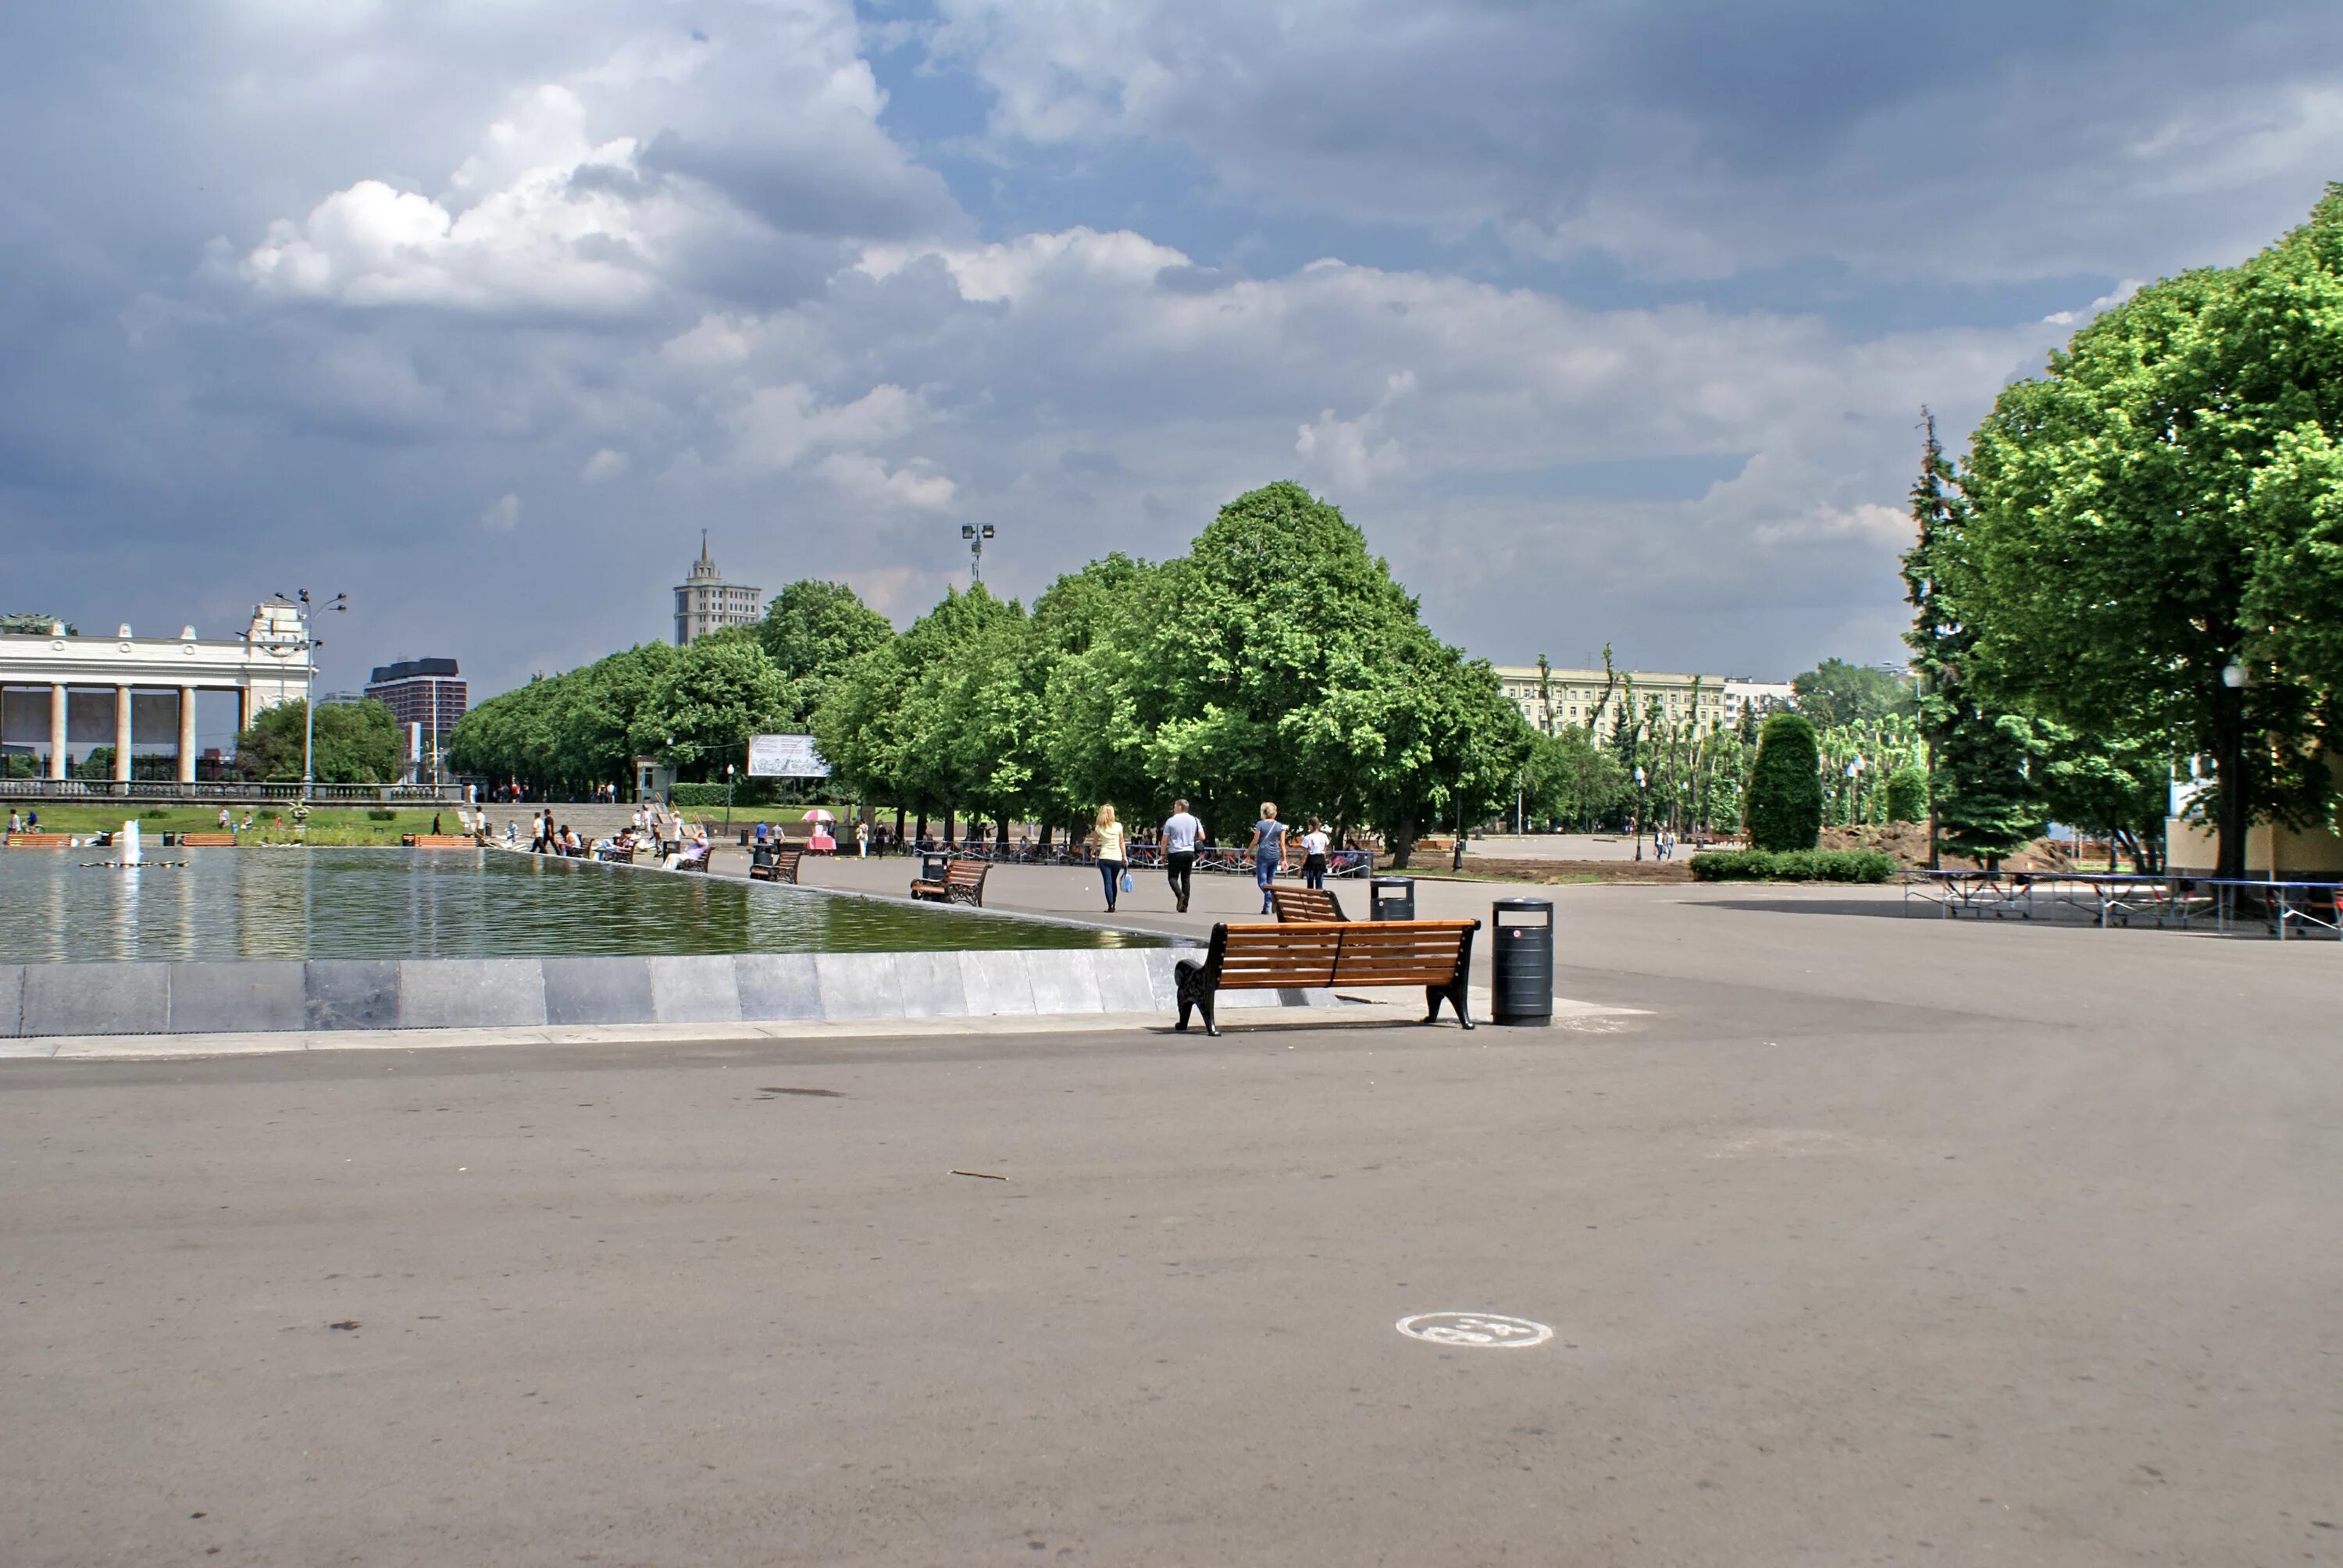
(58, 690)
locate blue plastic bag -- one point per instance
(1126, 881)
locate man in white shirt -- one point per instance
(1181, 834)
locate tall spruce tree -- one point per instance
(1981, 802)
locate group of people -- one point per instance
(1182, 836)
(31, 823)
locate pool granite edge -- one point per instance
(46, 1000)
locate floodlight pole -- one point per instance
(975, 536)
(305, 643)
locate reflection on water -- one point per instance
(448, 903)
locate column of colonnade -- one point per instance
(58, 729)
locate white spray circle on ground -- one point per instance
(1478, 1330)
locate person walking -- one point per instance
(1181, 834)
(1268, 851)
(1106, 844)
(1314, 844)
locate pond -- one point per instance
(255, 903)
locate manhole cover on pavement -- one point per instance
(1481, 1330)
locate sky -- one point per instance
(1607, 323)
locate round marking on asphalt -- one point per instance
(1479, 1330)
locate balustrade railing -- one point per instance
(226, 791)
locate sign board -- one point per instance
(785, 756)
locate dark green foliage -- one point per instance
(812, 631)
(1835, 692)
(354, 743)
(1907, 795)
(1792, 866)
(381, 814)
(2165, 501)
(1981, 795)
(1785, 810)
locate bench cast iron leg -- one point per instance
(1454, 994)
(1195, 990)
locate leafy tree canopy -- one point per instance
(2163, 504)
(354, 743)
(1835, 692)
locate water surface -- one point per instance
(255, 903)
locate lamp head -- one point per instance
(2233, 676)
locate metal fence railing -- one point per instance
(225, 792)
(2283, 907)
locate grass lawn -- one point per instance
(274, 823)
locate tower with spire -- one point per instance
(705, 602)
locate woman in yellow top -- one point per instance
(1106, 844)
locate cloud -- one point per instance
(862, 477)
(606, 464)
(779, 425)
(1697, 140)
(501, 516)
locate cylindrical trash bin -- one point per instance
(1391, 897)
(1521, 961)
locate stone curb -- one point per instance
(332, 995)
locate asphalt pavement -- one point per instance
(1873, 1240)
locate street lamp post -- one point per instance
(975, 536)
(1854, 791)
(1639, 810)
(727, 798)
(305, 643)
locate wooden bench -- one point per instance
(1434, 954)
(207, 842)
(775, 863)
(690, 862)
(962, 883)
(1303, 904)
(618, 856)
(441, 841)
(40, 840)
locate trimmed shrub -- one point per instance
(1785, 786)
(381, 814)
(1907, 795)
(1792, 866)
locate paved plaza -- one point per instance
(1864, 1239)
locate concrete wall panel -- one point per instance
(97, 999)
(777, 986)
(470, 993)
(231, 997)
(597, 990)
(699, 989)
(349, 993)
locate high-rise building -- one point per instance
(707, 602)
(426, 697)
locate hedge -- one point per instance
(1785, 806)
(1792, 866)
(745, 792)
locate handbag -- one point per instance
(1126, 881)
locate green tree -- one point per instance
(2155, 531)
(1835, 692)
(2118, 789)
(1785, 806)
(354, 743)
(1571, 781)
(1977, 784)
(812, 631)
(1907, 794)
(708, 701)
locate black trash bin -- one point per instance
(933, 864)
(1521, 961)
(1391, 897)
